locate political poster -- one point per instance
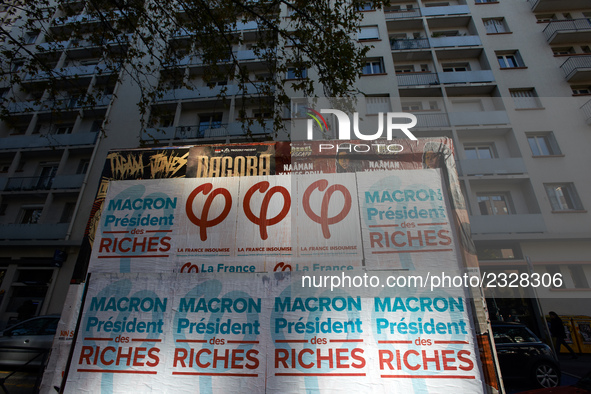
(406, 221)
(210, 269)
(275, 333)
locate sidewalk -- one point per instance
(572, 371)
(575, 367)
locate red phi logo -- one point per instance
(204, 222)
(323, 218)
(262, 221)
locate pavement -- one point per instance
(19, 382)
(572, 371)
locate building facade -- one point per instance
(508, 81)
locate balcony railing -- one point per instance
(33, 231)
(564, 26)
(478, 118)
(220, 130)
(29, 183)
(203, 92)
(53, 46)
(68, 181)
(69, 72)
(511, 165)
(576, 64)
(557, 5)
(586, 108)
(413, 13)
(44, 182)
(466, 76)
(412, 79)
(446, 10)
(209, 130)
(413, 43)
(432, 120)
(87, 18)
(22, 107)
(504, 224)
(37, 141)
(456, 41)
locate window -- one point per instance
(74, 101)
(17, 66)
(377, 104)
(213, 83)
(263, 77)
(298, 110)
(67, 212)
(3, 208)
(510, 59)
(368, 33)
(64, 129)
(494, 252)
(545, 17)
(96, 126)
(404, 69)
(563, 196)
(296, 73)
(373, 67)
(83, 166)
(31, 37)
(41, 326)
(367, 6)
(543, 144)
(581, 90)
(479, 152)
(553, 270)
(495, 26)
(89, 62)
(455, 67)
(30, 215)
(579, 278)
(210, 121)
(494, 204)
(504, 334)
(410, 107)
(485, 1)
(558, 51)
(526, 98)
(446, 33)
(260, 113)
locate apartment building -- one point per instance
(507, 80)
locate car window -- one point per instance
(513, 335)
(501, 336)
(522, 334)
(50, 328)
(31, 327)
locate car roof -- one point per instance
(33, 318)
(506, 323)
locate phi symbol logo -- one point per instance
(323, 219)
(262, 221)
(282, 267)
(204, 222)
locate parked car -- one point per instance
(26, 341)
(583, 386)
(522, 355)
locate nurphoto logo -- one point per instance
(390, 119)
